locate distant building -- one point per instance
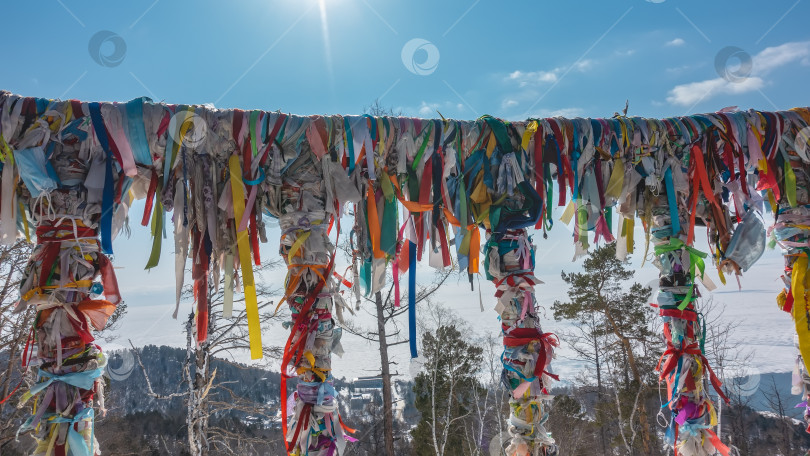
(367, 383)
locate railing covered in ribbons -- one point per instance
(70, 171)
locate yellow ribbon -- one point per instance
(39, 290)
(569, 212)
(24, 221)
(798, 286)
(243, 244)
(616, 182)
(321, 373)
(5, 152)
(531, 129)
(719, 269)
(303, 236)
(790, 184)
(628, 228)
(491, 142)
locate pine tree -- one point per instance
(615, 334)
(443, 392)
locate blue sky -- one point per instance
(509, 59)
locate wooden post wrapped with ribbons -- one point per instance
(791, 231)
(527, 349)
(68, 164)
(306, 211)
(71, 205)
(684, 367)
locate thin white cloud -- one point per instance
(427, 109)
(678, 69)
(562, 112)
(584, 65)
(526, 78)
(762, 64)
(676, 42)
(690, 94)
(774, 57)
(543, 77)
(509, 103)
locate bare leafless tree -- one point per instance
(731, 360)
(227, 338)
(388, 334)
(15, 328)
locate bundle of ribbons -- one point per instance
(416, 185)
(61, 208)
(791, 231)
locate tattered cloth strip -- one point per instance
(66, 271)
(222, 172)
(527, 350)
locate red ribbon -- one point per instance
(519, 337)
(672, 356)
(295, 351)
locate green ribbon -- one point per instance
(157, 230)
(422, 147)
(498, 128)
(388, 227)
(463, 220)
(790, 184)
(695, 260)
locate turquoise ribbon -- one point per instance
(349, 142)
(76, 444)
(673, 204)
(136, 133)
(256, 181)
(83, 380)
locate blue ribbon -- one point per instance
(412, 297)
(107, 197)
(72, 128)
